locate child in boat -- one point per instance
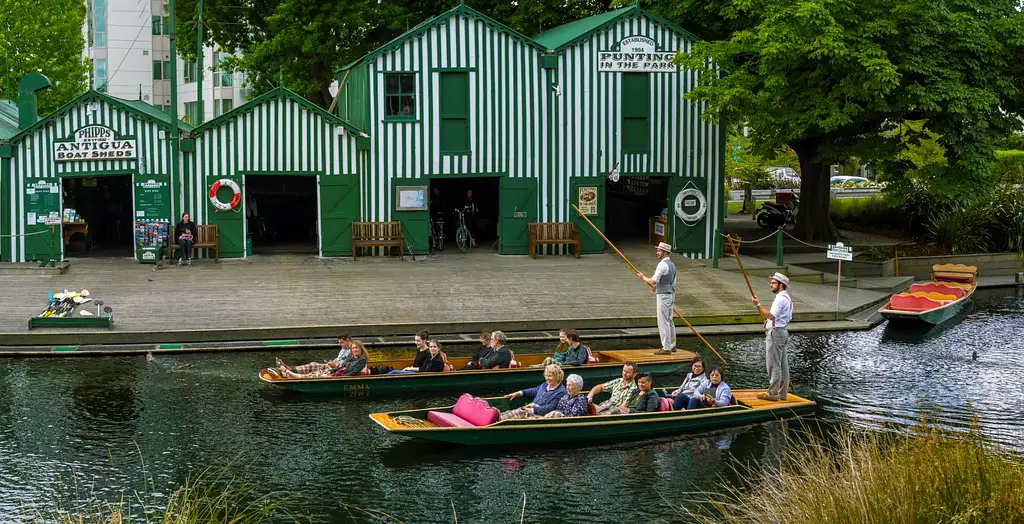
(694, 379)
(574, 403)
(561, 350)
(713, 394)
(545, 396)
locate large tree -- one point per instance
(837, 79)
(43, 36)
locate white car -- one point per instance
(840, 180)
(784, 174)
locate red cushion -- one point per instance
(475, 410)
(365, 371)
(912, 303)
(932, 287)
(513, 363)
(590, 356)
(665, 404)
(963, 278)
(448, 420)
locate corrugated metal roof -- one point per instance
(8, 119)
(558, 36)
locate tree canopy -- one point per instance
(43, 36)
(838, 79)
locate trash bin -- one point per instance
(784, 196)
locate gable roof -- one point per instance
(8, 119)
(426, 25)
(137, 108)
(278, 93)
(563, 36)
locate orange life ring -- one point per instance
(235, 200)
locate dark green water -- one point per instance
(78, 429)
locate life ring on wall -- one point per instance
(691, 217)
(235, 200)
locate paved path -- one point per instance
(282, 296)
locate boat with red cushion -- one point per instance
(475, 421)
(935, 302)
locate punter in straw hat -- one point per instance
(776, 336)
(663, 283)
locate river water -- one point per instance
(75, 430)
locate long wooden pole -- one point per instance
(635, 270)
(736, 253)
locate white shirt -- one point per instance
(782, 310)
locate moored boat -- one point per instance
(949, 292)
(478, 428)
(608, 366)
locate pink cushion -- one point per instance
(665, 404)
(476, 411)
(591, 359)
(912, 303)
(447, 420)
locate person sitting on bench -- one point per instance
(713, 394)
(499, 356)
(187, 234)
(344, 341)
(485, 346)
(350, 367)
(431, 363)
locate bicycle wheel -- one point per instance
(462, 239)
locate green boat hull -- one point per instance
(475, 382)
(932, 317)
(594, 428)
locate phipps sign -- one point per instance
(95, 142)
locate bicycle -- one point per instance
(437, 233)
(463, 238)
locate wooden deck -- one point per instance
(289, 295)
(749, 397)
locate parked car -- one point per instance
(784, 174)
(840, 180)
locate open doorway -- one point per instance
(281, 213)
(98, 216)
(450, 196)
(630, 204)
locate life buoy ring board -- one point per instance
(691, 206)
(235, 200)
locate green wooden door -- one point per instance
(230, 224)
(152, 216)
(687, 237)
(339, 206)
(42, 199)
(415, 224)
(518, 209)
(593, 187)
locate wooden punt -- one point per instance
(932, 303)
(748, 409)
(609, 366)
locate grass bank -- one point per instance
(871, 477)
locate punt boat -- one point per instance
(932, 303)
(420, 423)
(608, 365)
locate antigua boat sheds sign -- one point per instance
(95, 142)
(636, 54)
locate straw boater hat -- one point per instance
(664, 247)
(780, 278)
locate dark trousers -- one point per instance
(681, 402)
(186, 248)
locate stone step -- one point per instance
(32, 268)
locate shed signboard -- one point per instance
(637, 54)
(95, 142)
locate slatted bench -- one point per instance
(552, 233)
(206, 238)
(377, 234)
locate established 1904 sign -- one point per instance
(95, 142)
(637, 54)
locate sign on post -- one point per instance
(839, 252)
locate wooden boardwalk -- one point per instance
(288, 296)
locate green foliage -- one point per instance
(43, 36)
(865, 211)
(923, 476)
(961, 228)
(1010, 167)
(1006, 213)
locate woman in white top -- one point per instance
(694, 379)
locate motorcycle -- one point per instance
(772, 215)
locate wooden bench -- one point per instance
(207, 238)
(377, 234)
(552, 233)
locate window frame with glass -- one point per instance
(402, 89)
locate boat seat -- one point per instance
(591, 359)
(941, 297)
(469, 411)
(911, 303)
(448, 420)
(447, 366)
(732, 400)
(592, 409)
(513, 363)
(964, 278)
(934, 287)
(664, 404)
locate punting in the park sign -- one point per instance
(95, 142)
(636, 54)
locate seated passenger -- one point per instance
(545, 396)
(577, 354)
(323, 368)
(574, 403)
(560, 351)
(620, 389)
(499, 356)
(353, 364)
(644, 399)
(695, 378)
(713, 394)
(433, 362)
(485, 346)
